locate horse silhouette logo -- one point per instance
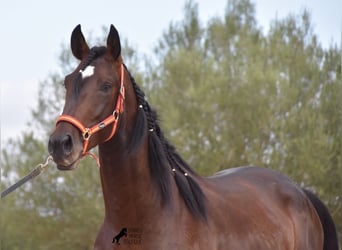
(122, 233)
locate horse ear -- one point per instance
(113, 42)
(79, 46)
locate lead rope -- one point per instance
(40, 168)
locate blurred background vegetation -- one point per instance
(228, 95)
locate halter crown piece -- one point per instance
(111, 119)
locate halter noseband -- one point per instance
(113, 118)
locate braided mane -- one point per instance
(164, 161)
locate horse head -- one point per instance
(94, 100)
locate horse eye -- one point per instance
(105, 87)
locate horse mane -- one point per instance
(163, 157)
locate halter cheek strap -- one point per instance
(112, 119)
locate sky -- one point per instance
(32, 33)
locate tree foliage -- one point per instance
(228, 95)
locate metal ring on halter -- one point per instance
(86, 134)
(116, 115)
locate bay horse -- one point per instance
(148, 188)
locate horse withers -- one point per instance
(151, 192)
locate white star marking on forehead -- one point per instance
(87, 72)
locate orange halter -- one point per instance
(112, 119)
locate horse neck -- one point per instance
(126, 181)
(130, 196)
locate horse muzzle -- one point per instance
(66, 152)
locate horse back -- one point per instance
(263, 209)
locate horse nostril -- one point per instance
(67, 144)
